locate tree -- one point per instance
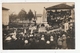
(22, 15)
(12, 17)
(30, 15)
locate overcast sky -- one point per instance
(38, 7)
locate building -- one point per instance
(44, 16)
(5, 16)
(39, 18)
(61, 13)
(57, 12)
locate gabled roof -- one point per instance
(60, 6)
(3, 8)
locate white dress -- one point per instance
(66, 26)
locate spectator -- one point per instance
(59, 42)
(64, 44)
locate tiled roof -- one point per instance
(3, 8)
(60, 6)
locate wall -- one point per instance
(39, 20)
(5, 17)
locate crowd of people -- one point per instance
(34, 38)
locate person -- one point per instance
(55, 39)
(51, 38)
(24, 31)
(26, 36)
(64, 44)
(22, 35)
(47, 36)
(42, 38)
(59, 41)
(66, 26)
(69, 42)
(47, 45)
(52, 42)
(26, 44)
(42, 42)
(13, 36)
(8, 38)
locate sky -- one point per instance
(38, 7)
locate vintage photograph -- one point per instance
(38, 25)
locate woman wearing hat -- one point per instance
(64, 44)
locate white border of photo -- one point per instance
(77, 21)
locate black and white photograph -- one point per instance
(38, 25)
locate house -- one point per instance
(5, 16)
(60, 13)
(57, 12)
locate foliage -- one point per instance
(22, 15)
(30, 15)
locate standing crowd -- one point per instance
(38, 37)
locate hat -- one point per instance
(63, 35)
(48, 42)
(51, 39)
(42, 38)
(26, 41)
